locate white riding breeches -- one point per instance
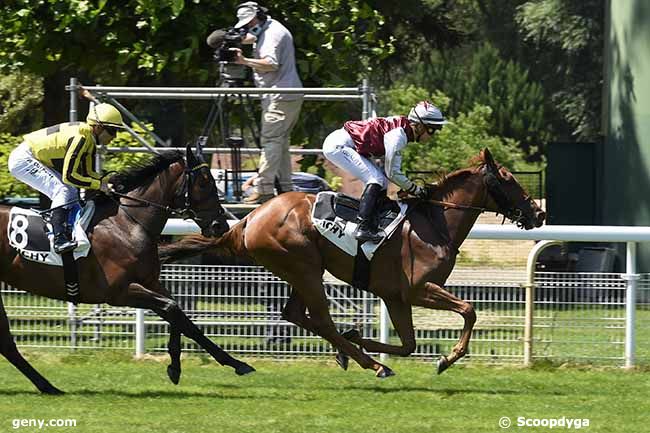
(339, 149)
(26, 168)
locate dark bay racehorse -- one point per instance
(122, 268)
(410, 269)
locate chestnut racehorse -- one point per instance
(409, 269)
(122, 268)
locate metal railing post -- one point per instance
(72, 323)
(383, 328)
(365, 99)
(631, 277)
(74, 100)
(139, 333)
(530, 298)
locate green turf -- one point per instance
(108, 392)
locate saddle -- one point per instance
(335, 216)
(31, 235)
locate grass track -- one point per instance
(108, 392)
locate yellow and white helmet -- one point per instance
(105, 115)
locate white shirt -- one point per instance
(275, 44)
(394, 142)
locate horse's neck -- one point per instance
(151, 218)
(470, 192)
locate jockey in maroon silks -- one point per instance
(353, 147)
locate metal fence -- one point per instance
(578, 316)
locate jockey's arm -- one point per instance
(75, 159)
(90, 165)
(394, 142)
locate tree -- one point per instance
(567, 41)
(459, 141)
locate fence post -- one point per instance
(72, 320)
(365, 91)
(383, 328)
(139, 332)
(631, 277)
(530, 298)
(74, 101)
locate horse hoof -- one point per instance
(244, 369)
(351, 334)
(342, 360)
(443, 364)
(174, 374)
(383, 372)
(51, 390)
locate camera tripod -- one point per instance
(221, 111)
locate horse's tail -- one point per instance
(231, 244)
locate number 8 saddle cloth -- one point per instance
(32, 237)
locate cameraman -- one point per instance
(274, 65)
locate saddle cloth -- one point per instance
(334, 216)
(32, 237)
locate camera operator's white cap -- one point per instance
(245, 13)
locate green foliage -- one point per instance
(121, 161)
(458, 142)
(9, 186)
(481, 76)
(566, 46)
(21, 94)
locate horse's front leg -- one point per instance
(435, 297)
(140, 297)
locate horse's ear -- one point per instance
(489, 160)
(199, 150)
(189, 155)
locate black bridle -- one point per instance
(507, 207)
(186, 212)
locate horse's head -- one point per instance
(201, 199)
(508, 197)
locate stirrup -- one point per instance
(64, 247)
(364, 235)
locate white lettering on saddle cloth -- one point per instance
(341, 232)
(33, 240)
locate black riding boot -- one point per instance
(367, 230)
(62, 241)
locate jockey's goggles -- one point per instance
(111, 130)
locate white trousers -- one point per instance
(339, 149)
(26, 168)
(278, 119)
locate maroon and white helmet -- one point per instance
(426, 113)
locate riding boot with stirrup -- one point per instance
(367, 229)
(62, 241)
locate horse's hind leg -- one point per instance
(167, 308)
(174, 349)
(435, 297)
(312, 295)
(400, 315)
(10, 351)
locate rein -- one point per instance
(186, 212)
(456, 205)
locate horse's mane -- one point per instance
(142, 174)
(448, 182)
